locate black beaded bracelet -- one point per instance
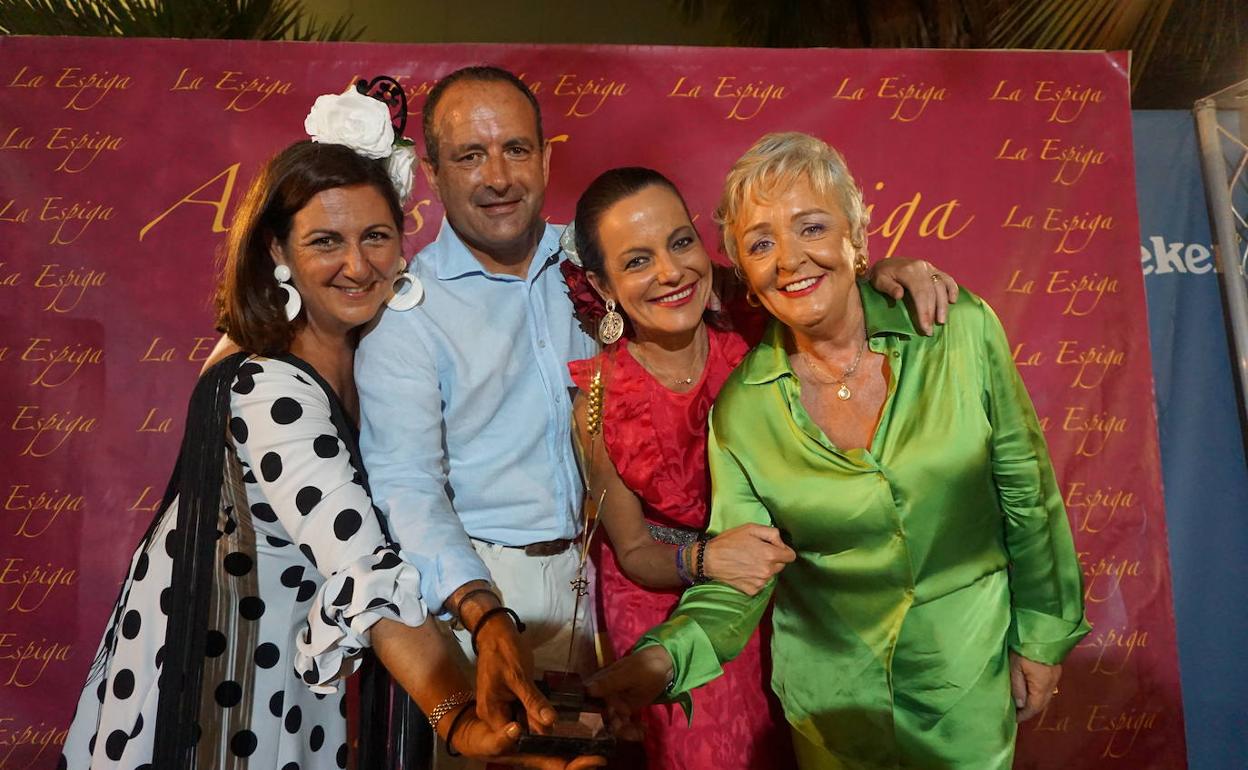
(469, 705)
(699, 574)
(485, 616)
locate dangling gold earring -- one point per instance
(611, 327)
(860, 264)
(751, 299)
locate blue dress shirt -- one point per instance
(465, 412)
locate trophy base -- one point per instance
(580, 721)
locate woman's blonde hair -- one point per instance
(776, 162)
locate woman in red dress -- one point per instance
(647, 461)
(641, 419)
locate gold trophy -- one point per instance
(581, 720)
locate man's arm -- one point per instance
(402, 439)
(930, 291)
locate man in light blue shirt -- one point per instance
(465, 400)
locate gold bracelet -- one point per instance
(452, 701)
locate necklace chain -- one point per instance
(705, 354)
(843, 392)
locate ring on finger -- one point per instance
(936, 277)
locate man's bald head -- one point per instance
(476, 74)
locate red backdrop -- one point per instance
(123, 161)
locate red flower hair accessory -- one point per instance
(587, 306)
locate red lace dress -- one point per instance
(657, 440)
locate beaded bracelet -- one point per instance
(485, 617)
(469, 705)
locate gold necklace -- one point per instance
(843, 392)
(704, 350)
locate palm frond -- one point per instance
(1084, 25)
(1180, 48)
(221, 19)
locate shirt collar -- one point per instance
(769, 361)
(452, 259)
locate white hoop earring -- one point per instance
(408, 292)
(294, 303)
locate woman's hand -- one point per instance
(630, 684)
(474, 738)
(1033, 684)
(746, 557)
(930, 290)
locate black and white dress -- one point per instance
(303, 569)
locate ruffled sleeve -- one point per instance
(302, 487)
(357, 595)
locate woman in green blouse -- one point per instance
(936, 588)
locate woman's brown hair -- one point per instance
(250, 306)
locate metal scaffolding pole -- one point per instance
(1224, 160)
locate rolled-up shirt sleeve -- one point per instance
(402, 441)
(1046, 585)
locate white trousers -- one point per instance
(539, 589)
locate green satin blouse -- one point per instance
(920, 561)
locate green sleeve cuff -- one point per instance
(683, 699)
(694, 662)
(1045, 638)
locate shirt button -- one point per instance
(541, 343)
(896, 354)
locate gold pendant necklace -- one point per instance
(843, 392)
(704, 350)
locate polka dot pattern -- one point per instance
(276, 701)
(264, 512)
(325, 447)
(237, 564)
(267, 655)
(123, 684)
(243, 744)
(346, 524)
(251, 607)
(292, 576)
(294, 720)
(271, 467)
(228, 694)
(293, 461)
(216, 644)
(306, 499)
(286, 410)
(131, 624)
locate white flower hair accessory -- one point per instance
(368, 117)
(352, 119)
(567, 242)
(401, 167)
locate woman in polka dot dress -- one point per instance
(268, 570)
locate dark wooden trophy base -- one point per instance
(580, 724)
